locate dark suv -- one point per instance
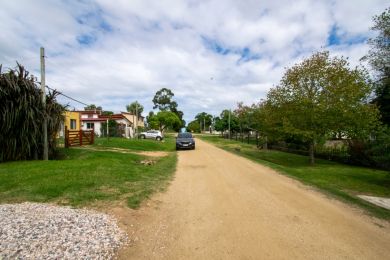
(185, 141)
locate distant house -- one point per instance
(93, 120)
(136, 121)
(72, 122)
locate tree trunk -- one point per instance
(265, 146)
(311, 152)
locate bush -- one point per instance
(22, 112)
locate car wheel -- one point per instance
(143, 136)
(158, 138)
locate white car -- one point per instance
(152, 134)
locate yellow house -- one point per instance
(72, 120)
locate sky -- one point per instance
(211, 54)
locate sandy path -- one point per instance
(221, 206)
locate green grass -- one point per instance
(340, 180)
(168, 144)
(85, 177)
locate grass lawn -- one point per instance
(340, 180)
(85, 177)
(168, 144)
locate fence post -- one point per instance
(66, 138)
(92, 137)
(248, 137)
(81, 137)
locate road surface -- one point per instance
(222, 206)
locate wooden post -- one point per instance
(81, 137)
(66, 140)
(43, 86)
(92, 137)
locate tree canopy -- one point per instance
(378, 57)
(322, 95)
(135, 107)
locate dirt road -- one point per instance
(221, 206)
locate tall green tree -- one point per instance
(222, 122)
(135, 108)
(378, 57)
(204, 120)
(164, 120)
(194, 126)
(163, 100)
(322, 95)
(92, 107)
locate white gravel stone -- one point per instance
(44, 231)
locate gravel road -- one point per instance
(43, 231)
(221, 206)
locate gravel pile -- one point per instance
(42, 231)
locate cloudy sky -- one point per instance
(212, 53)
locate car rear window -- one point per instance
(184, 135)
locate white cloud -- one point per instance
(137, 47)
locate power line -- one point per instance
(60, 93)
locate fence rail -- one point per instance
(78, 137)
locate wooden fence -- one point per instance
(78, 137)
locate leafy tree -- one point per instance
(107, 113)
(194, 126)
(222, 122)
(152, 121)
(163, 100)
(93, 107)
(322, 95)
(205, 120)
(167, 119)
(378, 57)
(135, 107)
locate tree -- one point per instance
(322, 95)
(152, 121)
(163, 100)
(92, 107)
(222, 122)
(204, 119)
(135, 108)
(163, 120)
(194, 126)
(378, 57)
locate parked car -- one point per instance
(152, 134)
(185, 141)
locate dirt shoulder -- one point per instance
(221, 206)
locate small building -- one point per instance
(71, 122)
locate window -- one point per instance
(90, 116)
(90, 125)
(73, 124)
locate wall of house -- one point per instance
(71, 115)
(97, 126)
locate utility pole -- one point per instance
(136, 116)
(108, 136)
(43, 93)
(229, 122)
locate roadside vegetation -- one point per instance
(167, 144)
(340, 180)
(84, 177)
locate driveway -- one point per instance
(222, 206)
